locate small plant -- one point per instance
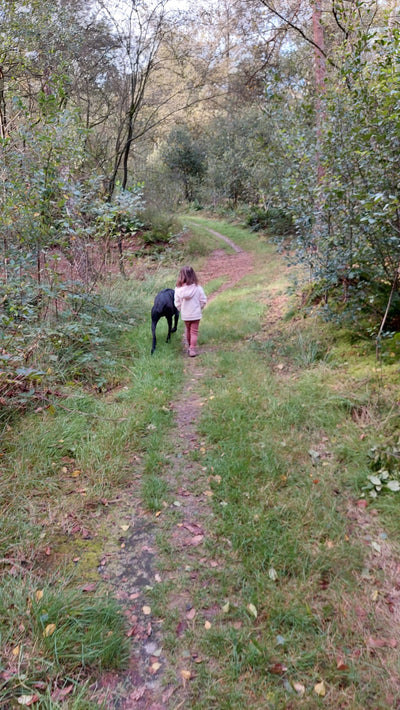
(385, 463)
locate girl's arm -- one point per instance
(177, 301)
(203, 298)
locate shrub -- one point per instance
(273, 219)
(157, 227)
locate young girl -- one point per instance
(190, 299)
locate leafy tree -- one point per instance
(185, 157)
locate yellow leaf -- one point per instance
(124, 527)
(146, 610)
(319, 689)
(155, 666)
(186, 675)
(39, 595)
(374, 595)
(225, 608)
(76, 473)
(49, 630)
(15, 651)
(207, 625)
(252, 609)
(64, 469)
(209, 494)
(158, 513)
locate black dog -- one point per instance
(164, 306)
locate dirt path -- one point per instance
(129, 561)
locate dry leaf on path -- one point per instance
(320, 689)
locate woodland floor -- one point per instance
(130, 562)
(132, 567)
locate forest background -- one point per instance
(114, 116)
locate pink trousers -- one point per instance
(191, 332)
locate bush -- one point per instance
(273, 220)
(157, 227)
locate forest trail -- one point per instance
(132, 569)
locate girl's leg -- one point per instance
(194, 330)
(187, 332)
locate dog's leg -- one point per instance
(169, 319)
(154, 322)
(176, 318)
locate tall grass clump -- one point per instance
(49, 632)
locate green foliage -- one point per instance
(157, 227)
(385, 463)
(275, 220)
(185, 157)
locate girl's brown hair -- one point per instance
(187, 276)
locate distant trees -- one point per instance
(97, 98)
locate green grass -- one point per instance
(290, 410)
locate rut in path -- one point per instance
(131, 567)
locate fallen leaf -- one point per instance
(28, 699)
(132, 631)
(299, 688)
(225, 608)
(191, 614)
(47, 551)
(320, 689)
(272, 574)
(207, 625)
(252, 609)
(76, 473)
(15, 651)
(138, 693)
(341, 664)
(146, 610)
(61, 693)
(89, 587)
(186, 675)
(181, 627)
(155, 667)
(124, 527)
(194, 528)
(381, 643)
(39, 595)
(49, 630)
(278, 668)
(196, 540)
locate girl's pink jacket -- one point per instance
(190, 301)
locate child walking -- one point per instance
(190, 299)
